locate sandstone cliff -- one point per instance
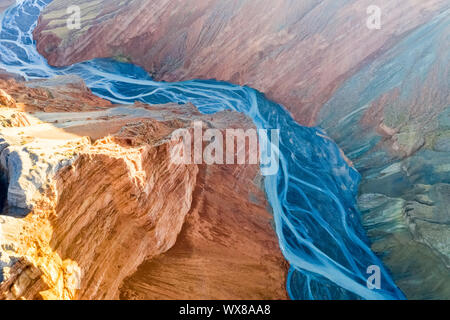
(95, 209)
(382, 95)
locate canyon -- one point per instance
(382, 95)
(95, 208)
(296, 52)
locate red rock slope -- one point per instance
(297, 52)
(92, 196)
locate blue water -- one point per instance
(312, 195)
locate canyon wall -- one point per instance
(382, 95)
(94, 207)
(392, 118)
(296, 52)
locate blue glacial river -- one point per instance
(312, 195)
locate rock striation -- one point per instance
(91, 198)
(296, 52)
(392, 119)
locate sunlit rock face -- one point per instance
(222, 252)
(92, 198)
(383, 95)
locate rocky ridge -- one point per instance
(91, 196)
(382, 95)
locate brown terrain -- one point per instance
(96, 209)
(296, 52)
(382, 95)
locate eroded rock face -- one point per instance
(296, 52)
(102, 197)
(217, 233)
(382, 95)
